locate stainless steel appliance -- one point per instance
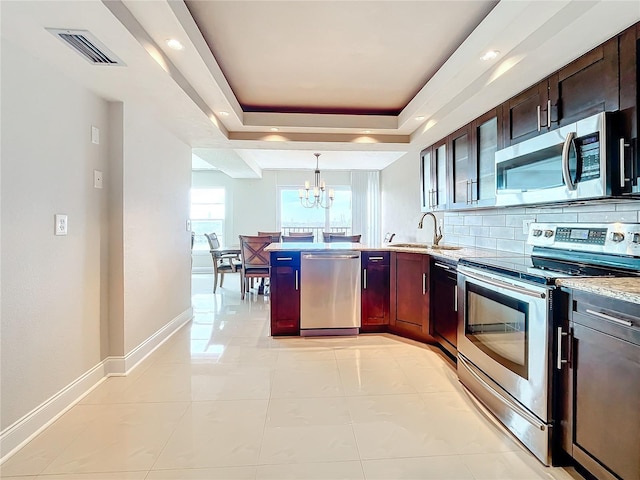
(583, 160)
(506, 319)
(330, 293)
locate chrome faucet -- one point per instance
(437, 231)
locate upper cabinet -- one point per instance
(458, 172)
(586, 86)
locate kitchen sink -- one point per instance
(444, 247)
(424, 245)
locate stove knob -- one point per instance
(617, 236)
(537, 233)
(548, 233)
(636, 238)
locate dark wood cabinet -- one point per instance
(426, 186)
(601, 420)
(410, 295)
(444, 305)
(629, 60)
(375, 291)
(460, 167)
(487, 139)
(586, 86)
(433, 177)
(526, 115)
(285, 293)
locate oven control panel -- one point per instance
(613, 238)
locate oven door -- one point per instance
(504, 331)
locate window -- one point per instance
(295, 217)
(207, 214)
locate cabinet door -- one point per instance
(629, 48)
(285, 293)
(439, 174)
(487, 139)
(375, 290)
(426, 188)
(410, 293)
(526, 115)
(444, 306)
(586, 86)
(460, 154)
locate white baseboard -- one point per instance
(26, 428)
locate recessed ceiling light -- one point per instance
(366, 132)
(490, 55)
(223, 114)
(420, 118)
(274, 129)
(174, 44)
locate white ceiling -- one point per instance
(328, 64)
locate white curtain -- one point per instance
(365, 210)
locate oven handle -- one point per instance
(498, 283)
(513, 406)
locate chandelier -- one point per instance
(314, 197)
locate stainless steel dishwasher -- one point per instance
(330, 293)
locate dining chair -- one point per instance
(301, 234)
(343, 238)
(326, 235)
(255, 261)
(222, 263)
(297, 238)
(275, 236)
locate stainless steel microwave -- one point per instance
(583, 160)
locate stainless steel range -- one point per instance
(507, 341)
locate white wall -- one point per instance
(54, 304)
(121, 275)
(157, 245)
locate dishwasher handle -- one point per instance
(311, 256)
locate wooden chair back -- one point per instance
(326, 235)
(252, 251)
(297, 238)
(343, 238)
(275, 236)
(301, 234)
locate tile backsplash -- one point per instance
(502, 228)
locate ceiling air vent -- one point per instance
(87, 45)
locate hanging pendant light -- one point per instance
(315, 197)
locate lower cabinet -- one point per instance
(375, 291)
(444, 305)
(410, 295)
(600, 417)
(285, 293)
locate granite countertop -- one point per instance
(621, 288)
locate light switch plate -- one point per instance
(97, 179)
(95, 135)
(188, 225)
(526, 223)
(61, 224)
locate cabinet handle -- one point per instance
(442, 265)
(539, 121)
(296, 279)
(284, 259)
(559, 360)
(548, 113)
(364, 277)
(619, 321)
(455, 299)
(424, 284)
(376, 258)
(469, 199)
(622, 156)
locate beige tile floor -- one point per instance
(223, 400)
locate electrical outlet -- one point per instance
(95, 135)
(97, 179)
(526, 223)
(61, 224)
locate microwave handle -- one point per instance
(565, 161)
(623, 177)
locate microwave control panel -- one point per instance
(588, 150)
